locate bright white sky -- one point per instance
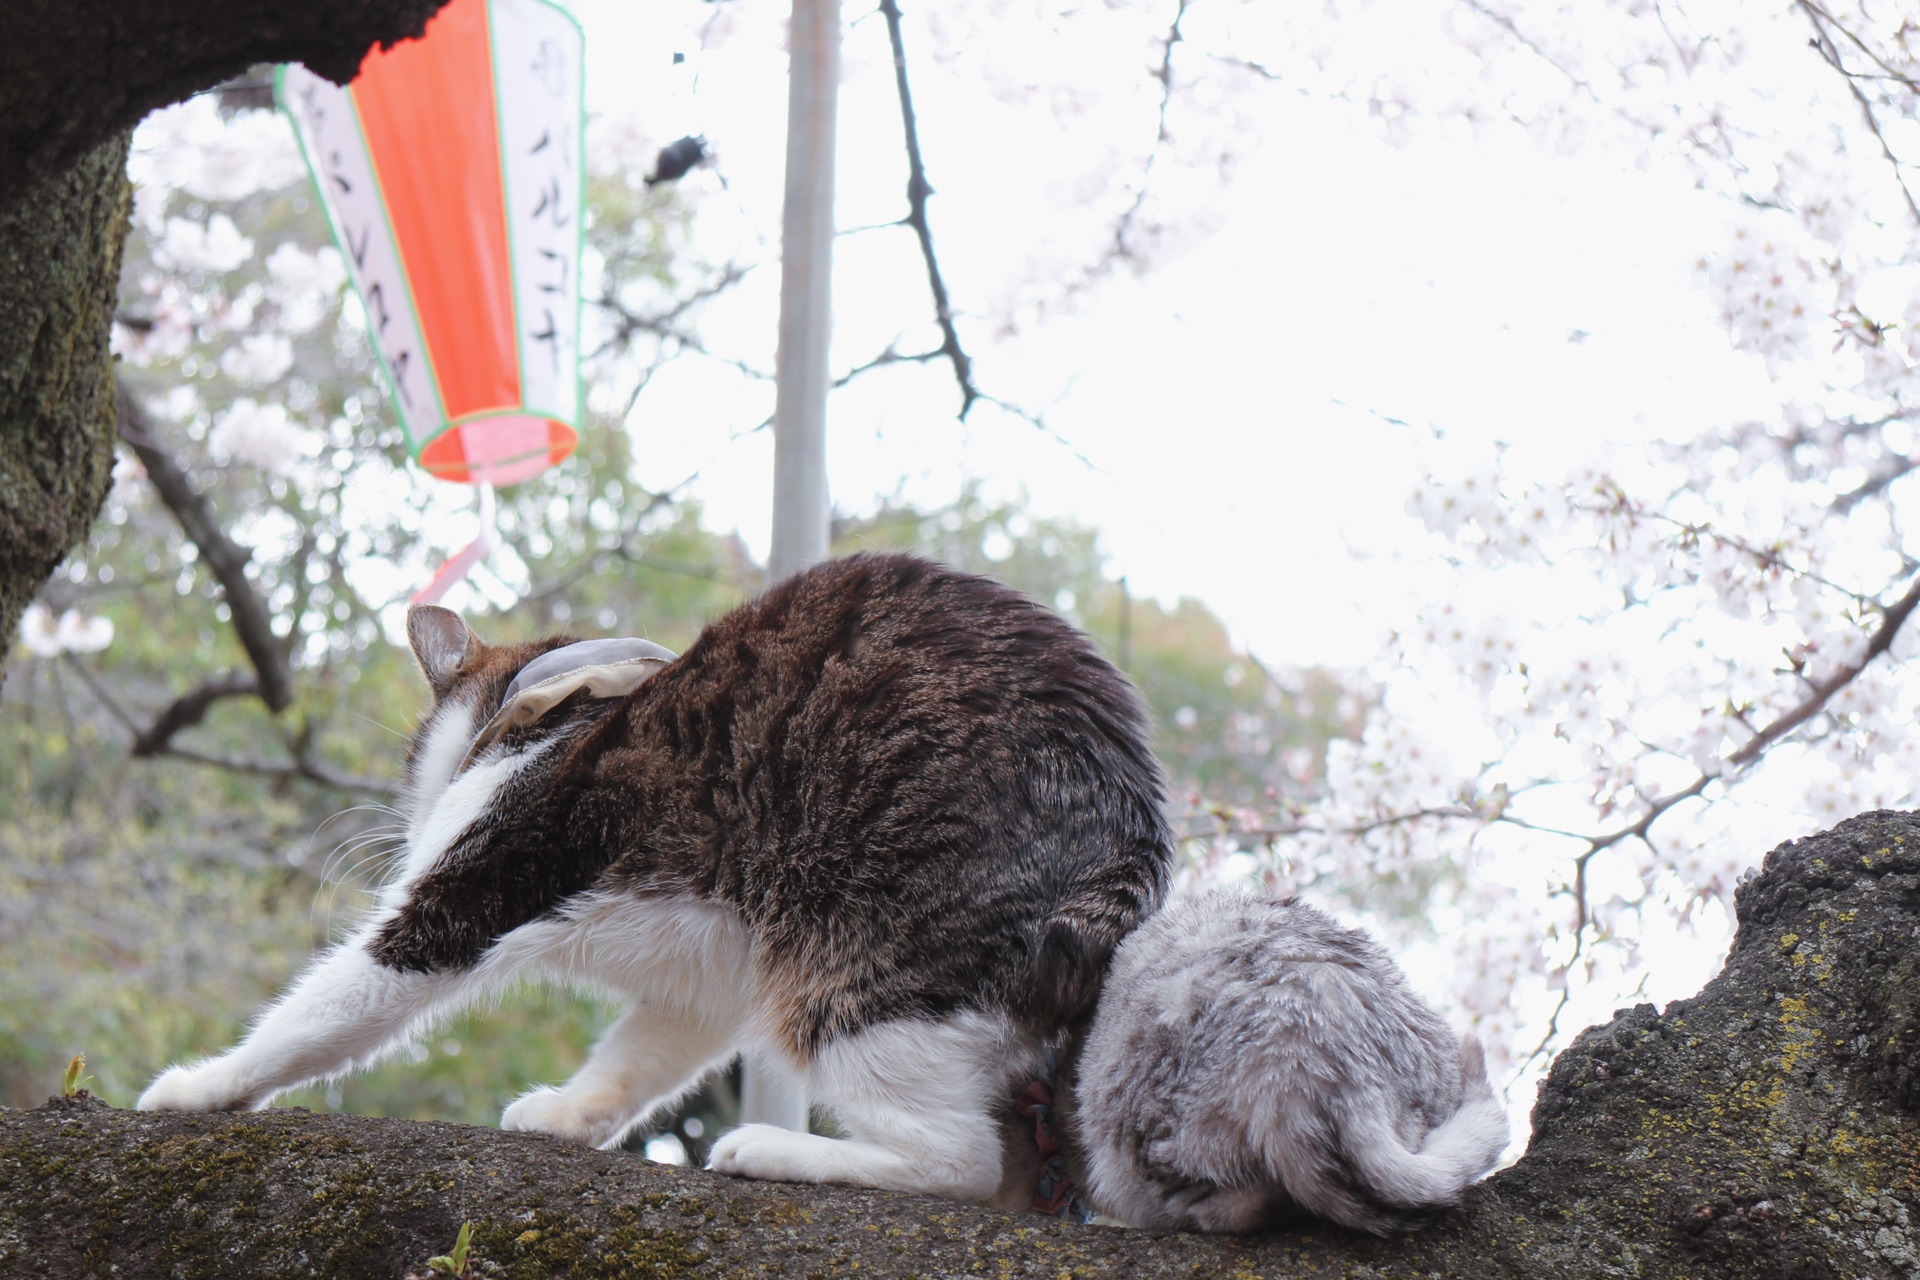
(1479, 287)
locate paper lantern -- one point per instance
(451, 172)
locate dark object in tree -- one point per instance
(1767, 1127)
(677, 159)
(73, 73)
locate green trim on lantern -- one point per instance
(481, 415)
(353, 277)
(580, 243)
(406, 276)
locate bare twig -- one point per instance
(1164, 74)
(1829, 52)
(1874, 485)
(1507, 24)
(190, 709)
(666, 323)
(224, 557)
(300, 764)
(1889, 72)
(620, 547)
(918, 189)
(305, 766)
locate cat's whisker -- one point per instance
(401, 734)
(348, 848)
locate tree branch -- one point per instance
(1892, 619)
(1164, 74)
(224, 557)
(1717, 1138)
(300, 764)
(190, 709)
(1829, 53)
(918, 189)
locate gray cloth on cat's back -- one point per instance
(585, 653)
(1251, 1059)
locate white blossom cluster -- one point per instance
(1648, 670)
(44, 635)
(201, 303)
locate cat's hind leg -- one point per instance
(647, 1060)
(346, 1010)
(918, 1099)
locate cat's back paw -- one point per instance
(771, 1153)
(594, 1122)
(206, 1086)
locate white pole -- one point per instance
(801, 510)
(800, 504)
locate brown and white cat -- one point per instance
(888, 821)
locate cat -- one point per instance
(1251, 1062)
(886, 822)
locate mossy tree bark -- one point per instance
(59, 270)
(75, 76)
(1769, 1127)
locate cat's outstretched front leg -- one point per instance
(645, 1061)
(346, 1010)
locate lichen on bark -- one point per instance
(59, 270)
(1769, 1126)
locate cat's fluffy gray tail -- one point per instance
(1398, 1186)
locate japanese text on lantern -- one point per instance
(540, 114)
(324, 118)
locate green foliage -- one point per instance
(455, 1263)
(73, 1083)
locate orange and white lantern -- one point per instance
(452, 174)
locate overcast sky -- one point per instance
(1228, 398)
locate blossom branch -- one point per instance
(227, 559)
(1829, 52)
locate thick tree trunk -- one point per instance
(75, 76)
(74, 73)
(59, 271)
(1768, 1127)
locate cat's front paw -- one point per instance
(206, 1086)
(772, 1154)
(567, 1115)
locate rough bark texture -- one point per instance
(75, 76)
(1765, 1128)
(73, 73)
(59, 271)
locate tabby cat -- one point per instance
(886, 822)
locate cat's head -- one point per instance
(490, 700)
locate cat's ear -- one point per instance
(440, 641)
(600, 668)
